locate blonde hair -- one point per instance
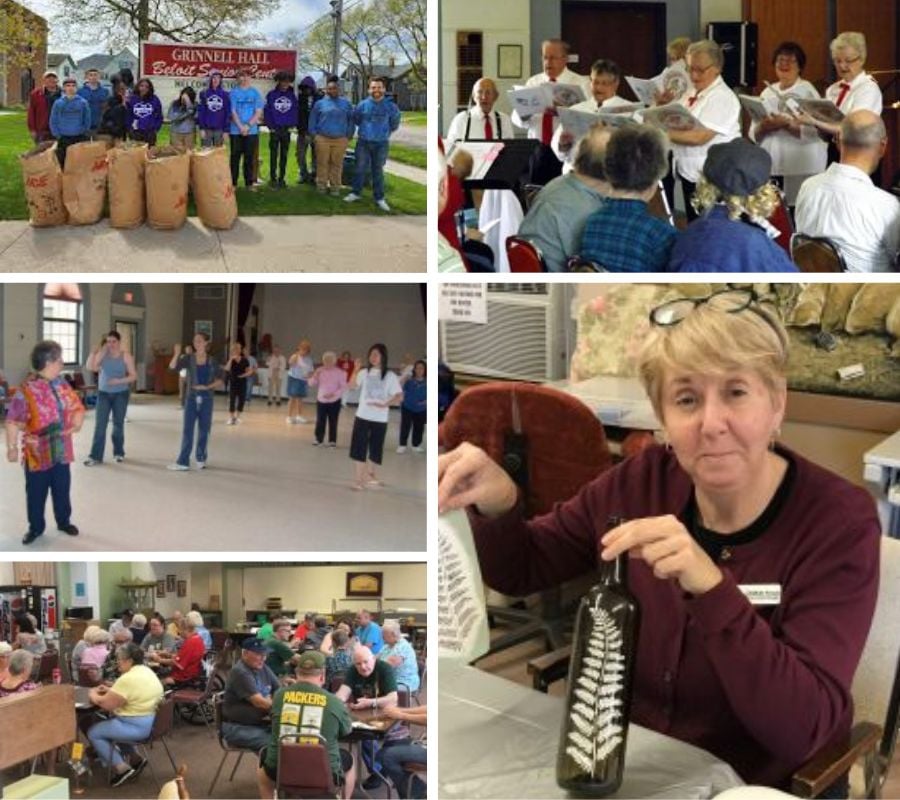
(94, 634)
(195, 618)
(677, 48)
(853, 40)
(758, 206)
(710, 340)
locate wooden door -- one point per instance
(631, 34)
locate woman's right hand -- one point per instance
(177, 349)
(467, 476)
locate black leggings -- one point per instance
(367, 439)
(279, 144)
(327, 413)
(243, 146)
(237, 393)
(412, 420)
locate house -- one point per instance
(401, 84)
(21, 69)
(62, 64)
(108, 64)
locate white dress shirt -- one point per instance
(473, 119)
(534, 124)
(862, 220)
(718, 109)
(864, 93)
(592, 106)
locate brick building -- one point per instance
(21, 69)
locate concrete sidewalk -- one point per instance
(407, 171)
(255, 244)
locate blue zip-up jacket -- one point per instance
(332, 118)
(70, 116)
(96, 99)
(414, 395)
(281, 109)
(376, 121)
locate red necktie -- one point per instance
(692, 100)
(488, 128)
(845, 87)
(547, 124)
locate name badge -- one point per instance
(762, 594)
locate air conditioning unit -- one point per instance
(525, 337)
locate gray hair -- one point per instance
(94, 634)
(710, 48)
(123, 635)
(130, 652)
(45, 353)
(862, 129)
(849, 40)
(391, 625)
(139, 620)
(591, 153)
(195, 618)
(21, 662)
(329, 354)
(636, 158)
(604, 66)
(557, 43)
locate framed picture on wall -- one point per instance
(182, 588)
(203, 326)
(170, 583)
(364, 584)
(509, 61)
(161, 588)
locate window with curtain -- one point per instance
(63, 319)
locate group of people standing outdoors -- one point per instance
(45, 411)
(324, 123)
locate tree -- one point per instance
(22, 34)
(405, 25)
(120, 23)
(363, 38)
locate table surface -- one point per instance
(885, 453)
(499, 739)
(614, 400)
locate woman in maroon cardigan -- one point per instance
(716, 517)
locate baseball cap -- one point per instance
(69, 79)
(311, 661)
(254, 645)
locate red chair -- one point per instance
(565, 448)
(781, 219)
(304, 770)
(524, 256)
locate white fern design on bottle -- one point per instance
(458, 607)
(595, 721)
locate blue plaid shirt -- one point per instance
(623, 237)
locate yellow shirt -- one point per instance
(141, 689)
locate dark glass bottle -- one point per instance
(598, 698)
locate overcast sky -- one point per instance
(291, 14)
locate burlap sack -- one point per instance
(43, 186)
(892, 324)
(809, 307)
(211, 185)
(870, 307)
(127, 198)
(168, 175)
(837, 305)
(84, 182)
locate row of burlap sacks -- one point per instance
(144, 184)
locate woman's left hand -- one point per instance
(667, 547)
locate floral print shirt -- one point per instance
(47, 410)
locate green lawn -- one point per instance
(414, 156)
(404, 197)
(417, 118)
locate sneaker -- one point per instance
(139, 766)
(201, 465)
(332, 444)
(315, 443)
(370, 783)
(120, 459)
(351, 198)
(230, 421)
(237, 421)
(124, 777)
(178, 467)
(69, 529)
(29, 537)
(419, 449)
(289, 420)
(382, 204)
(91, 462)
(302, 420)
(401, 449)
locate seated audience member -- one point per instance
(174, 626)
(315, 637)
(449, 258)
(18, 678)
(197, 619)
(138, 628)
(844, 205)
(249, 689)
(29, 637)
(368, 632)
(735, 199)
(304, 627)
(82, 645)
(481, 120)
(111, 665)
(622, 236)
(305, 708)
(187, 663)
(157, 639)
(395, 759)
(268, 627)
(555, 222)
(5, 652)
(130, 704)
(281, 656)
(605, 78)
(400, 655)
(338, 650)
(96, 650)
(125, 621)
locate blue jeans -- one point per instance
(250, 736)
(198, 410)
(370, 156)
(118, 729)
(57, 481)
(393, 759)
(117, 403)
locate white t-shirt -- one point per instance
(718, 109)
(535, 123)
(864, 93)
(374, 388)
(862, 220)
(473, 119)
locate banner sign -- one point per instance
(172, 67)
